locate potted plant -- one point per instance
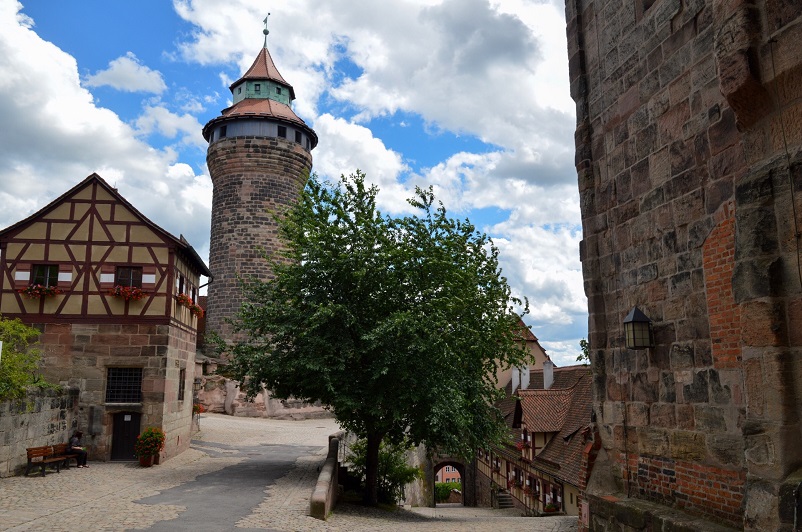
(196, 310)
(148, 445)
(184, 300)
(550, 507)
(37, 291)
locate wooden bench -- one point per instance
(60, 449)
(48, 454)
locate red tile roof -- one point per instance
(263, 107)
(563, 409)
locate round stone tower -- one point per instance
(259, 159)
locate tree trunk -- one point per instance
(372, 469)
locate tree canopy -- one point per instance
(398, 324)
(19, 360)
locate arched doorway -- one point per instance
(449, 482)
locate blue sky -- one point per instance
(470, 96)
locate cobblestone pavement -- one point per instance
(123, 496)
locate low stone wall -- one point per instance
(324, 496)
(610, 513)
(44, 417)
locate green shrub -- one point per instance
(19, 361)
(443, 489)
(394, 472)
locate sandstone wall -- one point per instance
(252, 177)
(78, 355)
(44, 417)
(689, 128)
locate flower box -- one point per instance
(38, 291)
(128, 293)
(184, 300)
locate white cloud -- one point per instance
(346, 147)
(160, 120)
(128, 74)
(54, 135)
(493, 70)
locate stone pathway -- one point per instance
(241, 474)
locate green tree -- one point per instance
(19, 360)
(398, 324)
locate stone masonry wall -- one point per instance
(44, 417)
(689, 129)
(78, 355)
(252, 177)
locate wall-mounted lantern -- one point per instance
(196, 385)
(638, 330)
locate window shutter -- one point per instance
(148, 277)
(64, 275)
(107, 272)
(22, 275)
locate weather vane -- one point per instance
(266, 31)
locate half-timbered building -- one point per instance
(114, 296)
(545, 467)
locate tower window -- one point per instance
(298, 137)
(222, 131)
(239, 90)
(278, 90)
(282, 132)
(257, 87)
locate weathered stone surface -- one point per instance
(687, 445)
(697, 391)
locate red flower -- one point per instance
(129, 293)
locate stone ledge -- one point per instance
(609, 513)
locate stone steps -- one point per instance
(504, 500)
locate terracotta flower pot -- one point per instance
(146, 461)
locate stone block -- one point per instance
(762, 324)
(696, 391)
(668, 389)
(682, 355)
(687, 445)
(709, 419)
(727, 449)
(662, 415)
(653, 441)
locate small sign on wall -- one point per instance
(127, 417)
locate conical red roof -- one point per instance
(264, 68)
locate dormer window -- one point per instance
(257, 87)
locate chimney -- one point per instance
(525, 377)
(548, 374)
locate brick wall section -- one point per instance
(691, 210)
(725, 315)
(251, 176)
